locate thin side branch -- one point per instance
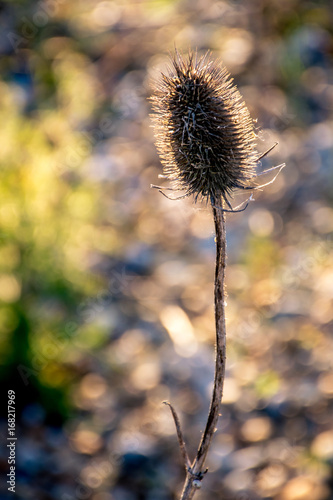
(181, 441)
(267, 151)
(280, 167)
(196, 472)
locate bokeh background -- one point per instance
(106, 286)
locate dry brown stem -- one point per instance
(195, 473)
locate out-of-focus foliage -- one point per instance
(106, 287)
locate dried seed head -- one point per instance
(204, 133)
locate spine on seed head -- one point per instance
(204, 133)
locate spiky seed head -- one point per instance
(204, 133)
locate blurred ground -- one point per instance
(106, 286)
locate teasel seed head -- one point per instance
(204, 133)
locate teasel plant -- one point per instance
(206, 140)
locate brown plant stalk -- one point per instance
(206, 140)
(195, 473)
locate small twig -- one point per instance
(267, 151)
(237, 209)
(161, 187)
(280, 167)
(186, 459)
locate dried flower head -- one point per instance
(204, 133)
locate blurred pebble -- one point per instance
(325, 384)
(231, 391)
(270, 479)
(322, 445)
(303, 488)
(86, 441)
(256, 429)
(238, 480)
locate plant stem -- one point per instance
(196, 472)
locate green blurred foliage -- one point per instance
(48, 216)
